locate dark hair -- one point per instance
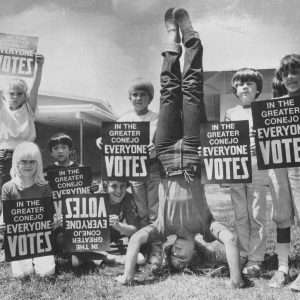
(278, 87)
(60, 138)
(248, 74)
(289, 62)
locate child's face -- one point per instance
(291, 80)
(15, 97)
(27, 167)
(246, 91)
(181, 253)
(117, 190)
(140, 100)
(61, 153)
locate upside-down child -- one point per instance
(183, 209)
(28, 182)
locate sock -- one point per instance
(283, 256)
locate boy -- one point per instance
(183, 210)
(60, 147)
(249, 199)
(145, 192)
(285, 182)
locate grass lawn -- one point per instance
(98, 283)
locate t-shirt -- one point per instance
(150, 116)
(16, 126)
(240, 113)
(183, 210)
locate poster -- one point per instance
(86, 222)
(225, 148)
(277, 125)
(17, 54)
(68, 181)
(28, 228)
(125, 149)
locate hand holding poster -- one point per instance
(125, 148)
(277, 125)
(225, 152)
(86, 223)
(17, 54)
(68, 181)
(28, 228)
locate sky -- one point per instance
(95, 48)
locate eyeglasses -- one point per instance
(24, 162)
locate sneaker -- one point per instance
(183, 20)
(278, 280)
(295, 285)
(252, 270)
(171, 26)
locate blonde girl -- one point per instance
(27, 182)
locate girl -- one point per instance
(28, 182)
(183, 209)
(284, 184)
(17, 109)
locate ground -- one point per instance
(98, 283)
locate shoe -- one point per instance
(172, 26)
(252, 270)
(278, 280)
(295, 285)
(183, 20)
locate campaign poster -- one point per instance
(125, 149)
(277, 126)
(86, 222)
(28, 228)
(68, 181)
(17, 54)
(225, 152)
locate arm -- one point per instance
(135, 243)
(36, 83)
(124, 229)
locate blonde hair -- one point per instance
(20, 84)
(23, 151)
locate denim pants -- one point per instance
(250, 210)
(181, 106)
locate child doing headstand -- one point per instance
(28, 182)
(183, 209)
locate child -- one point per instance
(145, 192)
(17, 109)
(123, 222)
(28, 182)
(183, 209)
(285, 181)
(60, 146)
(249, 199)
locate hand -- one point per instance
(39, 59)
(200, 151)
(113, 220)
(57, 221)
(94, 188)
(123, 280)
(152, 150)
(99, 142)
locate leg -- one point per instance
(169, 127)
(192, 88)
(152, 192)
(294, 181)
(257, 207)
(240, 207)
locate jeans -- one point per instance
(181, 106)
